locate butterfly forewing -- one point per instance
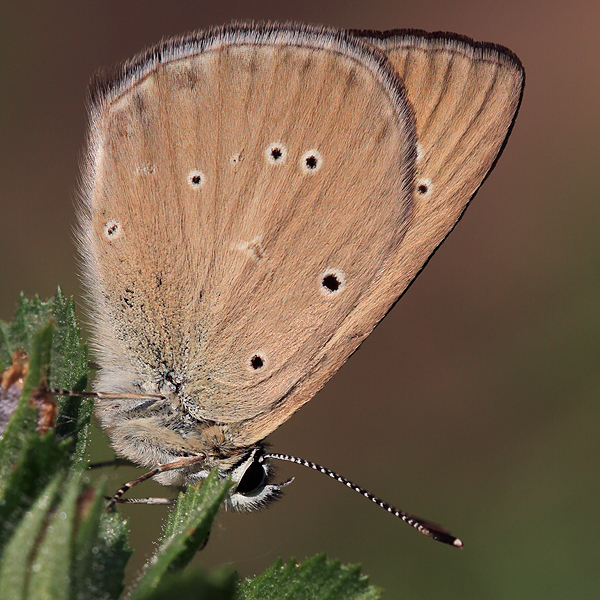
(245, 195)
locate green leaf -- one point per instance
(82, 539)
(56, 539)
(50, 571)
(16, 560)
(315, 579)
(188, 525)
(101, 550)
(63, 359)
(196, 585)
(30, 317)
(27, 461)
(42, 460)
(23, 422)
(47, 331)
(68, 370)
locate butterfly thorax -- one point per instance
(151, 431)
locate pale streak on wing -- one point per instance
(465, 98)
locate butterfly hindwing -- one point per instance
(465, 96)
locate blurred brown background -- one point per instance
(475, 402)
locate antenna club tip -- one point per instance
(457, 543)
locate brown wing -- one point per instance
(247, 192)
(465, 96)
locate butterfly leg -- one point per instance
(115, 462)
(176, 464)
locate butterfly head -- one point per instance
(252, 477)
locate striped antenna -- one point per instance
(435, 532)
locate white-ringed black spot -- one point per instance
(196, 179)
(332, 282)
(424, 187)
(276, 153)
(257, 362)
(112, 230)
(235, 159)
(311, 161)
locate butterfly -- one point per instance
(256, 198)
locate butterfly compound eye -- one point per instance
(253, 478)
